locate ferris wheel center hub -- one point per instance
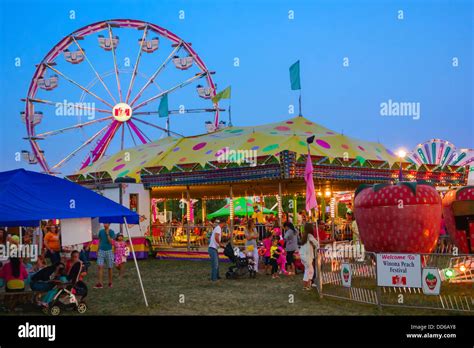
(122, 112)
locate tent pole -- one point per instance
(231, 215)
(280, 209)
(135, 260)
(188, 219)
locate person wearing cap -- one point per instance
(214, 244)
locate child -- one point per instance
(120, 254)
(275, 254)
(40, 263)
(267, 244)
(282, 259)
(297, 261)
(277, 230)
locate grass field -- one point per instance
(183, 288)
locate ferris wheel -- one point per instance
(101, 86)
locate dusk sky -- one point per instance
(424, 58)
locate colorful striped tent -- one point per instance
(268, 139)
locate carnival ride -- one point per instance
(103, 62)
(440, 152)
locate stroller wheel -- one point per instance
(45, 310)
(55, 310)
(81, 308)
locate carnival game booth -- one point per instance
(259, 161)
(28, 197)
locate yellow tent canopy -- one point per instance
(268, 139)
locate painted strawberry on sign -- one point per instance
(458, 212)
(404, 217)
(345, 274)
(431, 281)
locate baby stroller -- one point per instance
(242, 264)
(70, 295)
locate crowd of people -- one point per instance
(282, 250)
(55, 264)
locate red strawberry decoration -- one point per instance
(404, 217)
(458, 206)
(431, 281)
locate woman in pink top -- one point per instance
(14, 273)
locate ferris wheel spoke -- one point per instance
(115, 63)
(122, 138)
(185, 111)
(156, 73)
(131, 134)
(77, 126)
(102, 144)
(172, 89)
(73, 153)
(79, 85)
(139, 133)
(135, 68)
(157, 127)
(66, 105)
(93, 69)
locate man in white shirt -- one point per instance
(214, 244)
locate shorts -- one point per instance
(290, 258)
(266, 260)
(105, 256)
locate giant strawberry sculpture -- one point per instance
(404, 217)
(459, 204)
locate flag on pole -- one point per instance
(224, 94)
(308, 177)
(163, 108)
(295, 76)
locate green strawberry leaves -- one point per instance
(361, 188)
(410, 184)
(377, 187)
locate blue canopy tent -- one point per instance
(28, 197)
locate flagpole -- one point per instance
(300, 114)
(230, 115)
(168, 124)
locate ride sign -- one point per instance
(399, 270)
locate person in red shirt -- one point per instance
(14, 273)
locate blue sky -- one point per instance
(407, 60)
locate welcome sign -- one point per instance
(399, 270)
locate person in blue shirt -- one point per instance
(105, 255)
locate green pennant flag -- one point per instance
(224, 94)
(163, 108)
(295, 76)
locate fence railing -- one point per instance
(456, 274)
(191, 237)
